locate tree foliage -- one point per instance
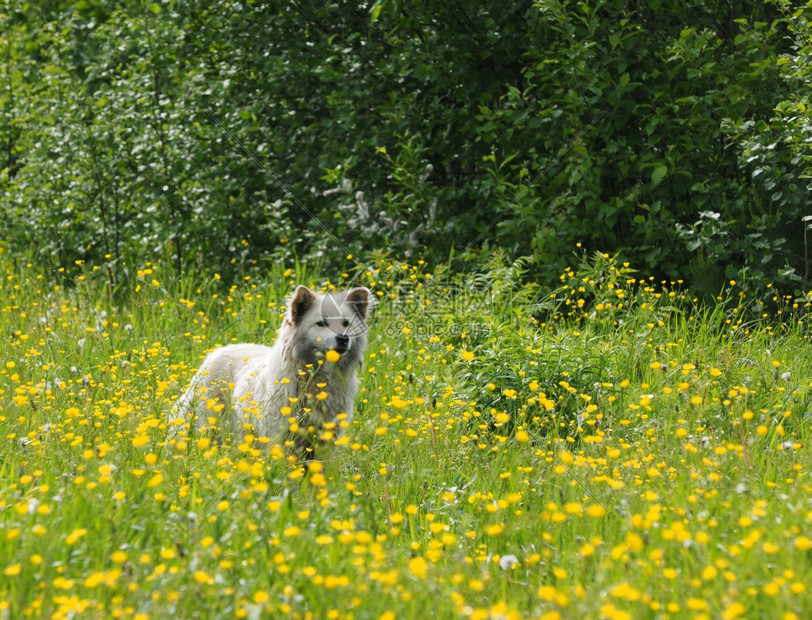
(219, 134)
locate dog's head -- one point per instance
(335, 321)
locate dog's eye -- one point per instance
(321, 323)
(345, 323)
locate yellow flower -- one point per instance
(75, 535)
(613, 613)
(201, 577)
(332, 356)
(467, 356)
(587, 550)
(734, 610)
(697, 604)
(772, 588)
(437, 527)
(12, 570)
(94, 580)
(522, 436)
(397, 402)
(418, 567)
(573, 508)
(155, 481)
(596, 511)
(261, 597)
(634, 541)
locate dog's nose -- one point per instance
(342, 340)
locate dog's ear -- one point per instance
(303, 299)
(360, 299)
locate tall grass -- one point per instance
(609, 449)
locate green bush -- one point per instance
(226, 134)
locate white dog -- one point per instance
(300, 391)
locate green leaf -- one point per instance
(375, 13)
(658, 175)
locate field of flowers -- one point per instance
(611, 449)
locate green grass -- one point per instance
(609, 449)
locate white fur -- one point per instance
(251, 386)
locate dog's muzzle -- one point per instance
(342, 343)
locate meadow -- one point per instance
(609, 449)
